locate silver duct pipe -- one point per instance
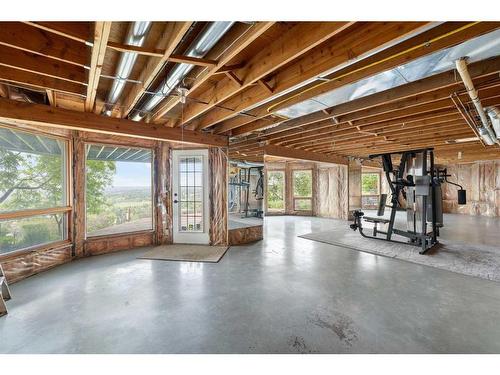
(199, 48)
(136, 36)
(494, 114)
(487, 134)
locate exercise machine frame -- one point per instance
(427, 186)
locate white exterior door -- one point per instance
(190, 196)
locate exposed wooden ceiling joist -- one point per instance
(4, 91)
(438, 38)
(340, 49)
(415, 105)
(291, 45)
(174, 31)
(39, 81)
(52, 97)
(37, 114)
(444, 80)
(192, 60)
(32, 39)
(290, 153)
(450, 34)
(79, 31)
(38, 64)
(156, 52)
(243, 41)
(101, 35)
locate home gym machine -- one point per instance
(243, 181)
(415, 186)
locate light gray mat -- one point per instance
(188, 253)
(468, 259)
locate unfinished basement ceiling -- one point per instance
(239, 90)
(477, 49)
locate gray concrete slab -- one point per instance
(281, 295)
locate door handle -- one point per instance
(175, 201)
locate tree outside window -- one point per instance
(370, 184)
(370, 189)
(275, 190)
(302, 190)
(33, 170)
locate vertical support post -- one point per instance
(218, 169)
(395, 189)
(79, 227)
(433, 198)
(163, 206)
(423, 234)
(354, 178)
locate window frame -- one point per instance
(274, 210)
(66, 209)
(295, 197)
(153, 186)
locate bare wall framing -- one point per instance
(482, 182)
(332, 191)
(330, 188)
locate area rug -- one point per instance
(468, 259)
(187, 253)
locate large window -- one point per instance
(302, 190)
(34, 199)
(118, 189)
(370, 189)
(275, 190)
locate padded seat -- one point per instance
(376, 220)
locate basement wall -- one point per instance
(330, 190)
(24, 263)
(482, 182)
(480, 179)
(288, 167)
(354, 177)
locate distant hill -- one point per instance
(127, 189)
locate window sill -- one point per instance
(116, 235)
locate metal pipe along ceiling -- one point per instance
(199, 48)
(486, 131)
(135, 37)
(494, 114)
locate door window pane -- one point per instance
(191, 194)
(118, 189)
(275, 190)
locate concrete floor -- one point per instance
(281, 295)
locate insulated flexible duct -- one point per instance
(199, 48)
(135, 37)
(486, 132)
(494, 115)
